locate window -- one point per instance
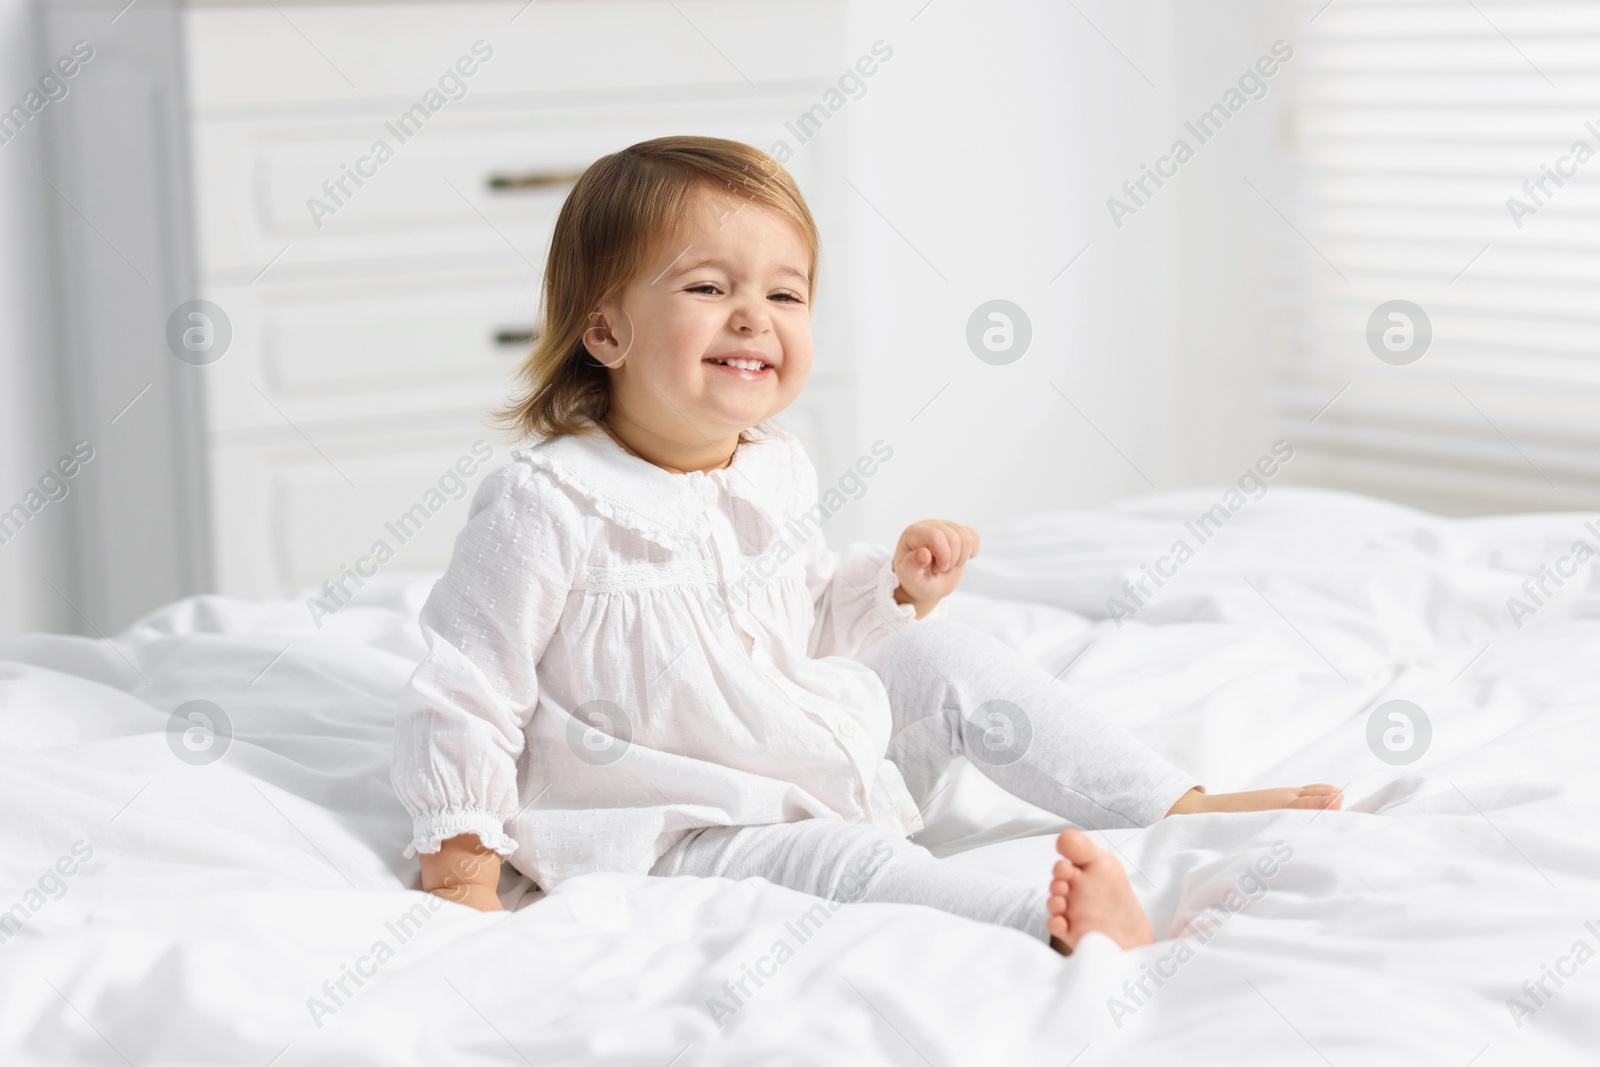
(1448, 155)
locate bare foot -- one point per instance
(1315, 797)
(1090, 895)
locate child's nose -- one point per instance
(750, 315)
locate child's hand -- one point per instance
(929, 560)
(463, 871)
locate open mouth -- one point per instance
(749, 369)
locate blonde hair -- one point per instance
(617, 219)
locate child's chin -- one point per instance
(745, 415)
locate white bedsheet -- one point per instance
(220, 898)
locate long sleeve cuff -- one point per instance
(902, 614)
(430, 830)
(888, 614)
(1167, 787)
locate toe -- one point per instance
(1060, 888)
(1062, 871)
(1057, 926)
(1077, 848)
(1056, 905)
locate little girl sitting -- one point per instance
(636, 665)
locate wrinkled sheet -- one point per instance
(222, 902)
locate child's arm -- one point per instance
(852, 598)
(463, 714)
(865, 592)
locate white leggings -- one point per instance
(954, 691)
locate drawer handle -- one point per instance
(530, 179)
(515, 338)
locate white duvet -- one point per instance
(254, 909)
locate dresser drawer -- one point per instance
(347, 352)
(284, 518)
(483, 189)
(309, 54)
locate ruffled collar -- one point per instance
(670, 508)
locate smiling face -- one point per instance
(711, 339)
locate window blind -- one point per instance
(1447, 154)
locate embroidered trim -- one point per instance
(630, 576)
(887, 583)
(678, 517)
(663, 534)
(432, 830)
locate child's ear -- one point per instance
(601, 341)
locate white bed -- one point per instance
(221, 896)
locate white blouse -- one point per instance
(618, 655)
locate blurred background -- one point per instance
(1072, 251)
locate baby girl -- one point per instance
(635, 665)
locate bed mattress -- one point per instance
(200, 854)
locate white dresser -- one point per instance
(372, 302)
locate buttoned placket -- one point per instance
(725, 552)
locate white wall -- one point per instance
(30, 438)
(1235, 260)
(997, 133)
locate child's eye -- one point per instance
(789, 297)
(702, 287)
